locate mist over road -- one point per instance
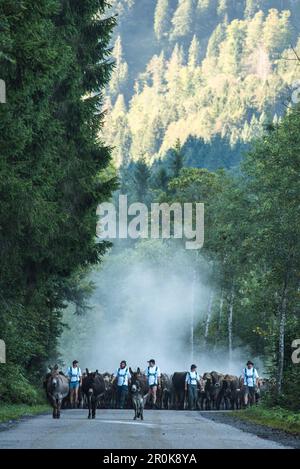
(115, 429)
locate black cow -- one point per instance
(178, 387)
(230, 393)
(93, 387)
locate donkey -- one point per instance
(57, 388)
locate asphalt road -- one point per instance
(115, 429)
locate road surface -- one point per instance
(115, 429)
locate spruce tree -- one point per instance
(176, 162)
(51, 158)
(183, 19)
(162, 19)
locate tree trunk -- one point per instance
(192, 326)
(282, 309)
(230, 320)
(208, 317)
(220, 313)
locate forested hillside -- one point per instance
(200, 71)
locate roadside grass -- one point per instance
(276, 418)
(17, 411)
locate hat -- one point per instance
(75, 362)
(249, 362)
(151, 360)
(193, 367)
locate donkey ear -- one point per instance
(97, 372)
(130, 370)
(138, 370)
(56, 367)
(87, 371)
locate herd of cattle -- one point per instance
(99, 390)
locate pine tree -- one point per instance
(120, 74)
(277, 31)
(252, 7)
(156, 68)
(217, 37)
(194, 53)
(183, 19)
(174, 67)
(141, 177)
(176, 162)
(55, 63)
(162, 19)
(117, 132)
(222, 9)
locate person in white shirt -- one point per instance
(250, 377)
(75, 377)
(192, 381)
(153, 380)
(122, 379)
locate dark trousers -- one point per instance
(193, 396)
(122, 392)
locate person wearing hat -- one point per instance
(153, 380)
(75, 377)
(122, 379)
(250, 382)
(192, 381)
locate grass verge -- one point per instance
(17, 411)
(276, 418)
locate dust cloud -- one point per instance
(142, 307)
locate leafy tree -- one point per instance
(272, 168)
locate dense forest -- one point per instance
(197, 107)
(50, 173)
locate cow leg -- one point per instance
(59, 402)
(90, 406)
(94, 407)
(141, 411)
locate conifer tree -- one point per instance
(194, 53)
(183, 19)
(120, 73)
(162, 19)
